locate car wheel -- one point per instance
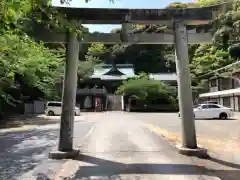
(223, 116)
(51, 113)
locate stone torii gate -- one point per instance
(178, 19)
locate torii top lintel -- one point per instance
(139, 16)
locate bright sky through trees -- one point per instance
(118, 4)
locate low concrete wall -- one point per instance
(37, 107)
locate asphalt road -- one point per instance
(22, 152)
(219, 137)
(120, 147)
(211, 128)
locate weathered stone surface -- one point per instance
(197, 152)
(138, 16)
(145, 38)
(63, 155)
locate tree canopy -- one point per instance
(224, 48)
(145, 89)
(27, 69)
(26, 64)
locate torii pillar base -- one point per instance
(63, 155)
(197, 152)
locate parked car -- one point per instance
(55, 108)
(212, 111)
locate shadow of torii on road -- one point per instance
(113, 170)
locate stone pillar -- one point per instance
(126, 30)
(69, 94)
(218, 84)
(184, 86)
(232, 102)
(236, 103)
(221, 101)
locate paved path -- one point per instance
(211, 127)
(121, 148)
(23, 153)
(222, 137)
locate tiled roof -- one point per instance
(98, 72)
(114, 72)
(126, 70)
(108, 77)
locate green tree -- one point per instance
(96, 54)
(33, 63)
(224, 49)
(147, 90)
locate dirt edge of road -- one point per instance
(24, 120)
(24, 128)
(212, 144)
(214, 147)
(29, 124)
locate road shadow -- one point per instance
(216, 119)
(111, 170)
(225, 174)
(154, 111)
(42, 176)
(14, 121)
(21, 120)
(224, 163)
(22, 152)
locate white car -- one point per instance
(55, 108)
(212, 111)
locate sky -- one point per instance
(138, 4)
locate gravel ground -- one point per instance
(24, 154)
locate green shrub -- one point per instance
(147, 90)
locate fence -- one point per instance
(37, 107)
